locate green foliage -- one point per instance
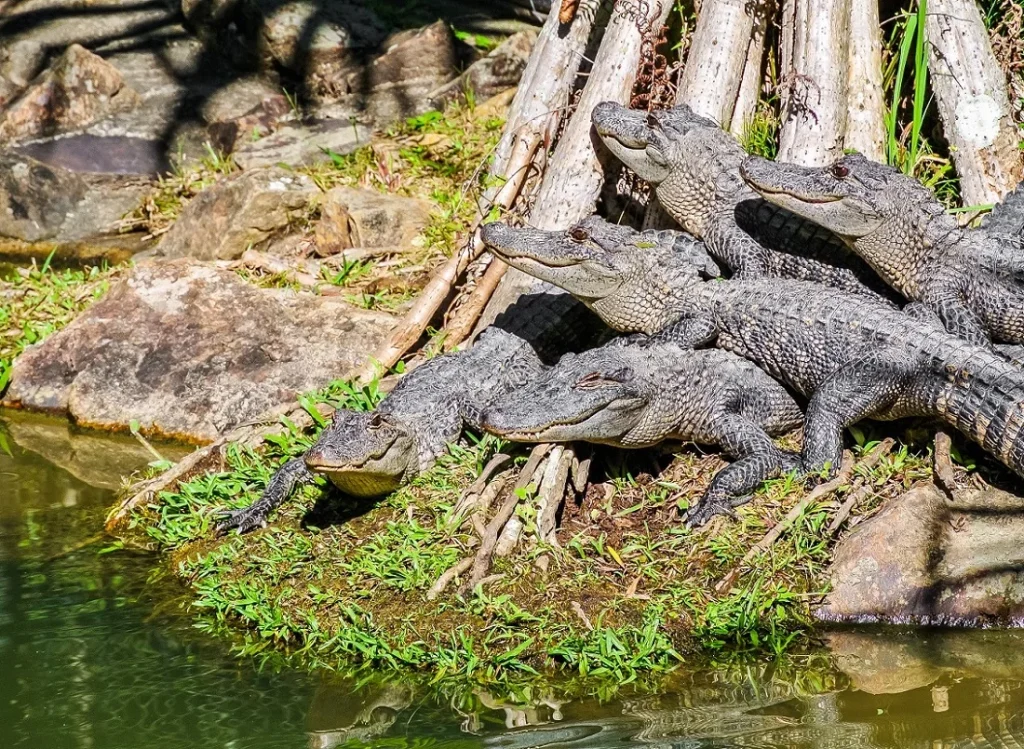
(40, 300)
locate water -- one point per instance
(92, 656)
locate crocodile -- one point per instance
(971, 280)
(369, 454)
(851, 357)
(694, 168)
(635, 392)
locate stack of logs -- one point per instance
(830, 86)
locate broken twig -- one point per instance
(819, 492)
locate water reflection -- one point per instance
(93, 656)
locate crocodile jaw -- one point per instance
(626, 134)
(806, 192)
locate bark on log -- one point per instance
(814, 82)
(573, 177)
(865, 117)
(753, 76)
(970, 92)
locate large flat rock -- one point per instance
(189, 351)
(926, 560)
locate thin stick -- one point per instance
(863, 489)
(819, 492)
(942, 466)
(447, 576)
(482, 560)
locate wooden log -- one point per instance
(718, 55)
(573, 177)
(753, 76)
(815, 81)
(865, 116)
(970, 93)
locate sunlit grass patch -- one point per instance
(39, 300)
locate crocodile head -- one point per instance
(854, 197)
(625, 276)
(364, 454)
(691, 162)
(599, 395)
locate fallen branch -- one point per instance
(466, 316)
(863, 486)
(819, 492)
(489, 539)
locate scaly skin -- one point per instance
(372, 454)
(694, 167)
(970, 280)
(852, 357)
(638, 392)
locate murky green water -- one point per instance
(94, 657)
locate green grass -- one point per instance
(340, 584)
(39, 300)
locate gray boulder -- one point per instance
(190, 351)
(238, 213)
(926, 560)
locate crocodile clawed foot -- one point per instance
(707, 508)
(244, 520)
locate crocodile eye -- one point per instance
(376, 421)
(579, 234)
(601, 379)
(839, 171)
(652, 121)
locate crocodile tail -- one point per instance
(985, 401)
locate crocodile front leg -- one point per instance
(757, 459)
(281, 485)
(688, 332)
(729, 244)
(860, 389)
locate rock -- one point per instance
(92, 457)
(323, 42)
(21, 60)
(398, 83)
(189, 351)
(926, 560)
(301, 144)
(240, 212)
(79, 89)
(352, 217)
(500, 70)
(43, 205)
(245, 111)
(35, 199)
